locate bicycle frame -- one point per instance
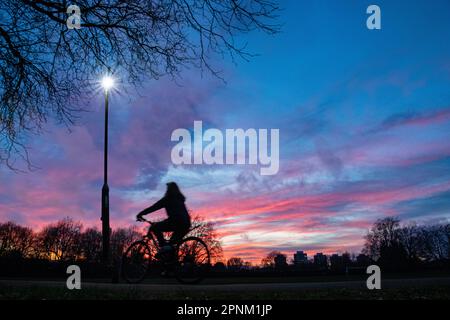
(150, 236)
(185, 270)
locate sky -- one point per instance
(364, 122)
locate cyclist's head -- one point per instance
(173, 191)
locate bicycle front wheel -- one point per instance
(193, 260)
(136, 262)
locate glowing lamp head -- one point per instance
(107, 83)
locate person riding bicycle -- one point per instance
(178, 220)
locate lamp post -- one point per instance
(107, 84)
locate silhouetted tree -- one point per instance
(121, 239)
(269, 260)
(61, 240)
(206, 231)
(91, 244)
(219, 267)
(394, 245)
(410, 238)
(45, 68)
(389, 242)
(15, 239)
(235, 263)
(435, 242)
(383, 235)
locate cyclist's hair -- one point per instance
(173, 191)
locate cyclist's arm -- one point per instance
(158, 205)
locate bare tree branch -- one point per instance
(45, 68)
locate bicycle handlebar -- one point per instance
(144, 220)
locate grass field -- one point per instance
(272, 289)
(52, 293)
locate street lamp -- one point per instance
(107, 84)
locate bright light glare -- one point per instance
(107, 83)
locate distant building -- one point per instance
(280, 261)
(220, 267)
(362, 260)
(346, 259)
(336, 261)
(300, 257)
(320, 260)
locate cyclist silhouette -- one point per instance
(178, 220)
(186, 257)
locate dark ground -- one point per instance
(325, 288)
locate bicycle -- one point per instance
(189, 259)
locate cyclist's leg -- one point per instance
(178, 233)
(158, 228)
(182, 227)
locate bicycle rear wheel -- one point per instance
(193, 260)
(136, 262)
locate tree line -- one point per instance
(68, 240)
(388, 243)
(391, 243)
